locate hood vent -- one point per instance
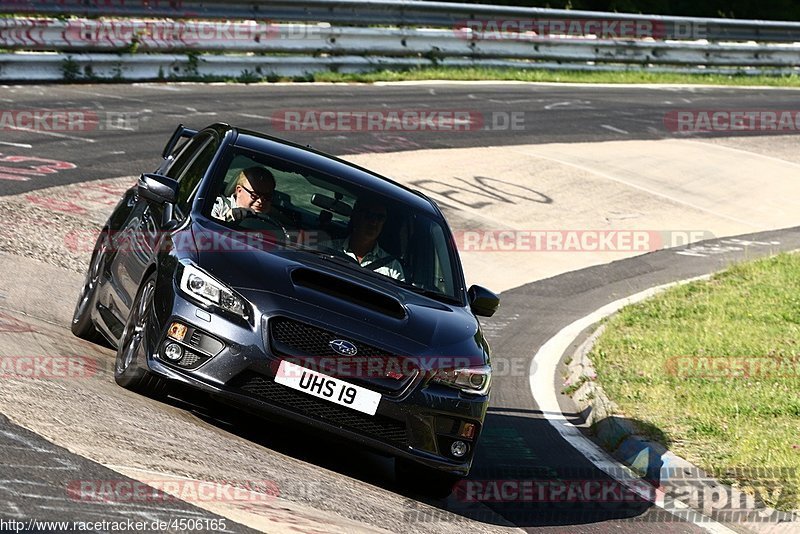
(348, 291)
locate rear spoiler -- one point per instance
(180, 132)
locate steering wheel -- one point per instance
(242, 214)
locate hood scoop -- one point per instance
(348, 291)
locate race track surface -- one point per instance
(56, 433)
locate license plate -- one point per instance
(328, 388)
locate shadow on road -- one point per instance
(524, 475)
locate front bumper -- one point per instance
(419, 423)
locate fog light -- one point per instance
(458, 449)
(173, 352)
(177, 331)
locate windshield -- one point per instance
(304, 209)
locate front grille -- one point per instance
(375, 426)
(294, 339)
(195, 339)
(190, 359)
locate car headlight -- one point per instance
(474, 380)
(203, 287)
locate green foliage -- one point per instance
(192, 62)
(716, 366)
(533, 75)
(70, 69)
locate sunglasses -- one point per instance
(255, 197)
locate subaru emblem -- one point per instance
(345, 348)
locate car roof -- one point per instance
(317, 160)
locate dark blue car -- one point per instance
(238, 269)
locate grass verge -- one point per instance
(525, 75)
(715, 366)
(73, 73)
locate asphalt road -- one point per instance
(126, 126)
(518, 444)
(42, 482)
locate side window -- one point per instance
(193, 172)
(183, 155)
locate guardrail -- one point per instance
(393, 12)
(158, 36)
(456, 34)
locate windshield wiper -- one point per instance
(430, 293)
(333, 256)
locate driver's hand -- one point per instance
(242, 213)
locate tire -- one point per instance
(134, 341)
(424, 480)
(82, 325)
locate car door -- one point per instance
(142, 234)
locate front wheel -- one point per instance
(133, 346)
(82, 325)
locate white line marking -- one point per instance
(557, 105)
(25, 441)
(544, 367)
(517, 101)
(252, 116)
(102, 95)
(609, 127)
(54, 134)
(20, 145)
(159, 87)
(194, 111)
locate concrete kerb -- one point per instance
(619, 436)
(616, 434)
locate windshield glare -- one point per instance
(314, 212)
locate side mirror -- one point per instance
(482, 301)
(180, 132)
(159, 189)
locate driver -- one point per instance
(253, 191)
(366, 225)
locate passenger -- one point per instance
(366, 225)
(254, 189)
